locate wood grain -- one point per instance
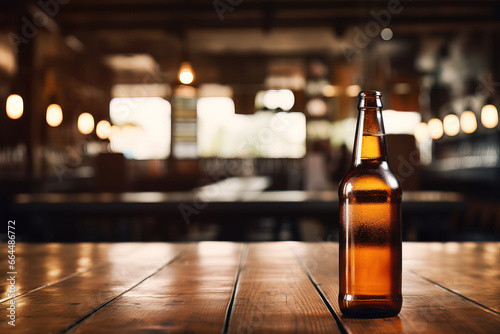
(470, 269)
(426, 307)
(191, 295)
(57, 306)
(274, 295)
(44, 264)
(281, 287)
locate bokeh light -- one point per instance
(331, 90)
(186, 75)
(468, 122)
(316, 107)
(489, 116)
(54, 115)
(85, 123)
(386, 34)
(14, 106)
(451, 125)
(103, 129)
(435, 128)
(353, 90)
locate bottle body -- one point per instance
(370, 226)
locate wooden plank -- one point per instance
(57, 306)
(426, 307)
(39, 265)
(470, 269)
(275, 295)
(191, 295)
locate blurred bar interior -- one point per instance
(234, 120)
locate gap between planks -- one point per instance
(481, 306)
(96, 309)
(229, 310)
(321, 294)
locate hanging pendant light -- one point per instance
(489, 116)
(85, 123)
(186, 74)
(14, 106)
(54, 115)
(468, 122)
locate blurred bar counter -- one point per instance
(245, 202)
(232, 210)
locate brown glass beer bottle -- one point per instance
(370, 222)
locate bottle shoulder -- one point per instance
(369, 178)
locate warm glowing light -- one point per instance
(402, 88)
(435, 127)
(468, 122)
(85, 123)
(489, 116)
(451, 125)
(54, 115)
(386, 34)
(103, 129)
(331, 91)
(352, 90)
(14, 106)
(316, 107)
(186, 75)
(422, 132)
(283, 98)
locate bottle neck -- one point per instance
(369, 145)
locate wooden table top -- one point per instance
(216, 287)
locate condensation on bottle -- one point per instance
(370, 222)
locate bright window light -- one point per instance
(400, 122)
(342, 132)
(141, 127)
(215, 108)
(264, 134)
(213, 115)
(422, 132)
(274, 99)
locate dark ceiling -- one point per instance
(179, 16)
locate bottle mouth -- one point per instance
(367, 93)
(370, 99)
